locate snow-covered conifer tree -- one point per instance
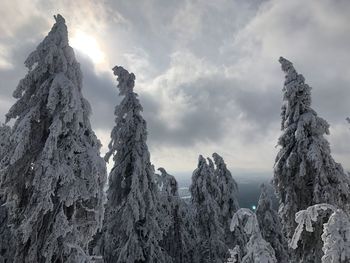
(271, 227)
(211, 233)
(189, 233)
(305, 172)
(227, 198)
(257, 249)
(7, 244)
(179, 235)
(336, 231)
(132, 229)
(169, 210)
(52, 173)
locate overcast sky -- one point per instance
(207, 72)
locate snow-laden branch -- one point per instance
(336, 231)
(258, 250)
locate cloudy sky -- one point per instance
(207, 72)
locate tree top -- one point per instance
(201, 160)
(286, 64)
(59, 19)
(162, 170)
(126, 80)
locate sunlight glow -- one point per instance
(88, 45)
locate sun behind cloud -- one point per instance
(88, 45)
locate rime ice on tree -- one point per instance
(271, 227)
(52, 173)
(305, 172)
(169, 210)
(132, 231)
(227, 198)
(204, 191)
(179, 235)
(336, 231)
(257, 249)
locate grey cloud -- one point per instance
(162, 27)
(100, 90)
(146, 26)
(217, 103)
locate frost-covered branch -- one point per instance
(257, 249)
(271, 227)
(336, 231)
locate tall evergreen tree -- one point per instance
(169, 209)
(7, 244)
(52, 173)
(305, 172)
(132, 228)
(189, 233)
(204, 193)
(227, 198)
(271, 227)
(179, 234)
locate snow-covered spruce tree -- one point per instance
(212, 247)
(169, 209)
(257, 249)
(189, 233)
(227, 198)
(179, 235)
(271, 227)
(52, 174)
(336, 231)
(7, 244)
(305, 172)
(132, 228)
